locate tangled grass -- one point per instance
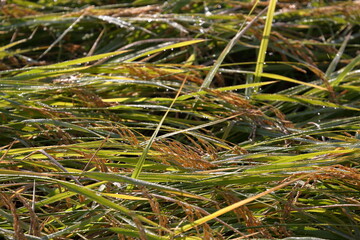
(168, 120)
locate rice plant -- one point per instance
(179, 120)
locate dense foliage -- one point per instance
(163, 120)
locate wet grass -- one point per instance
(179, 120)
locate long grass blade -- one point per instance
(345, 71)
(141, 161)
(63, 34)
(337, 57)
(264, 42)
(168, 47)
(214, 69)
